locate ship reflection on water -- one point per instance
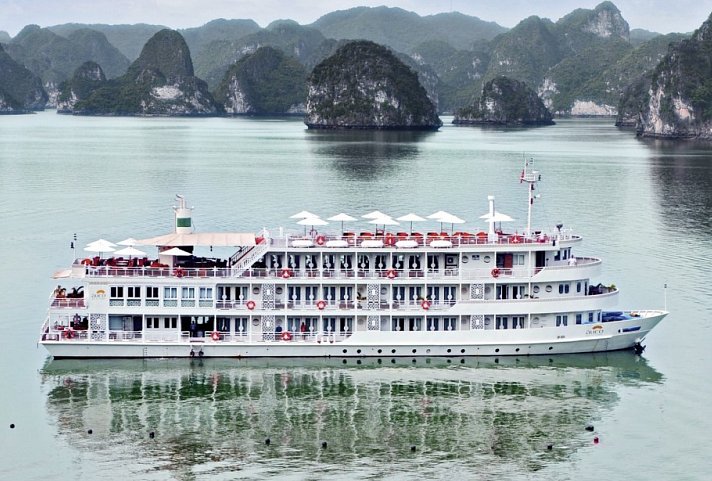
(374, 416)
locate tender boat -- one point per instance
(382, 293)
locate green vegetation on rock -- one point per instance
(20, 90)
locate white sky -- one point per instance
(662, 16)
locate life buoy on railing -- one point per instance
(320, 240)
(516, 239)
(286, 336)
(495, 272)
(250, 305)
(425, 304)
(215, 335)
(391, 274)
(321, 305)
(179, 272)
(86, 262)
(390, 240)
(286, 273)
(68, 333)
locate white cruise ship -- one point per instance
(387, 292)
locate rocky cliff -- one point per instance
(20, 90)
(505, 101)
(364, 86)
(265, 82)
(86, 79)
(159, 82)
(679, 100)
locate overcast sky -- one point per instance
(662, 16)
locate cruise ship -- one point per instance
(384, 292)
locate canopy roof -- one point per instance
(217, 239)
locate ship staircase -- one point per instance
(245, 257)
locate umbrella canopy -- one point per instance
(374, 214)
(312, 221)
(447, 218)
(438, 214)
(496, 217)
(129, 242)
(410, 218)
(175, 252)
(100, 248)
(101, 243)
(343, 218)
(384, 220)
(130, 251)
(302, 215)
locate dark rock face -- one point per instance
(265, 82)
(20, 90)
(87, 78)
(364, 86)
(159, 82)
(679, 100)
(505, 101)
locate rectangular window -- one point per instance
(590, 317)
(578, 318)
(518, 260)
(153, 323)
(567, 288)
(206, 293)
(151, 292)
(558, 321)
(170, 293)
(450, 294)
(133, 292)
(117, 292)
(578, 287)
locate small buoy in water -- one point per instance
(12, 426)
(323, 444)
(549, 447)
(595, 440)
(589, 427)
(89, 431)
(412, 448)
(267, 441)
(151, 435)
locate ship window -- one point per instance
(487, 259)
(475, 257)
(518, 322)
(578, 318)
(590, 317)
(518, 259)
(535, 289)
(117, 292)
(562, 320)
(578, 287)
(188, 293)
(206, 293)
(502, 322)
(133, 292)
(564, 288)
(151, 292)
(173, 321)
(153, 323)
(170, 293)
(548, 288)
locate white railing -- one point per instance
(249, 258)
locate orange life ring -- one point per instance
(215, 335)
(250, 305)
(286, 273)
(321, 240)
(495, 272)
(286, 336)
(86, 262)
(425, 304)
(391, 274)
(321, 305)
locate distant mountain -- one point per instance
(403, 30)
(507, 102)
(639, 36)
(160, 82)
(20, 90)
(678, 101)
(307, 45)
(4, 36)
(220, 29)
(129, 39)
(364, 86)
(264, 82)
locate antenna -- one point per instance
(665, 296)
(531, 177)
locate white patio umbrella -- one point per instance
(438, 214)
(100, 243)
(302, 215)
(312, 221)
(129, 242)
(130, 251)
(374, 214)
(98, 248)
(175, 252)
(343, 218)
(449, 219)
(410, 218)
(496, 217)
(384, 220)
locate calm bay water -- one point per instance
(643, 206)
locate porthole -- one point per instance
(358, 351)
(465, 260)
(550, 348)
(535, 289)
(393, 351)
(487, 259)
(548, 288)
(462, 351)
(279, 291)
(516, 350)
(379, 351)
(345, 351)
(414, 351)
(449, 351)
(255, 290)
(496, 350)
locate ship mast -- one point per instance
(531, 177)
